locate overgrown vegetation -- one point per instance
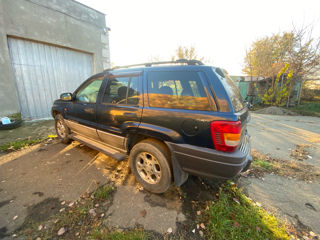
(16, 145)
(234, 216)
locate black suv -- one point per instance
(171, 118)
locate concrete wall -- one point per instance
(65, 23)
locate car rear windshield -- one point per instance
(231, 88)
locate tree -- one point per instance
(278, 93)
(297, 48)
(183, 52)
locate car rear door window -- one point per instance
(177, 89)
(122, 90)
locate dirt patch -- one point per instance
(28, 130)
(285, 168)
(276, 111)
(300, 153)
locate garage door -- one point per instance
(43, 72)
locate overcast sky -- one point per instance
(221, 31)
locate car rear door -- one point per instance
(120, 107)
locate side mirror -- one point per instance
(248, 104)
(66, 96)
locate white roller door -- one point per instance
(43, 72)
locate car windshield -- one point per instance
(231, 89)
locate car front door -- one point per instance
(81, 115)
(119, 109)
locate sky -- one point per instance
(221, 31)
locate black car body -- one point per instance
(193, 112)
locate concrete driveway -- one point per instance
(296, 201)
(34, 181)
(278, 135)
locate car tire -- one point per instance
(62, 129)
(149, 164)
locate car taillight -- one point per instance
(226, 135)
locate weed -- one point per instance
(262, 164)
(19, 144)
(16, 145)
(103, 192)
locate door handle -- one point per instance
(129, 114)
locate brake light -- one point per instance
(226, 135)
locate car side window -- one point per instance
(89, 92)
(177, 89)
(122, 90)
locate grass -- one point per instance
(308, 109)
(16, 145)
(102, 234)
(262, 165)
(103, 192)
(234, 216)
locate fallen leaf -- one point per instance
(232, 216)
(258, 229)
(61, 231)
(143, 213)
(202, 226)
(236, 200)
(236, 224)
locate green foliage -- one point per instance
(278, 92)
(236, 217)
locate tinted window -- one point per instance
(89, 93)
(178, 89)
(122, 90)
(231, 88)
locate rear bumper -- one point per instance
(211, 163)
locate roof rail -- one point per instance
(179, 61)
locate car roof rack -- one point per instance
(150, 64)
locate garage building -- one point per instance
(47, 48)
